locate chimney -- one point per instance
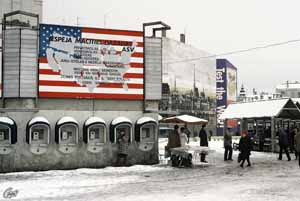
(182, 38)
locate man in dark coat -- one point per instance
(174, 139)
(283, 144)
(228, 145)
(245, 147)
(203, 141)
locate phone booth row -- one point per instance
(38, 132)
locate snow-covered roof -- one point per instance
(66, 120)
(259, 109)
(288, 86)
(120, 120)
(185, 119)
(92, 120)
(38, 119)
(159, 117)
(144, 120)
(7, 120)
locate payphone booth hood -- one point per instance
(140, 123)
(90, 122)
(62, 121)
(115, 123)
(35, 121)
(6, 121)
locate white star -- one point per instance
(44, 27)
(50, 28)
(57, 28)
(71, 30)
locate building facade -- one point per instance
(69, 93)
(289, 89)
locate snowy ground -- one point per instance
(267, 180)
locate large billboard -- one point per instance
(80, 62)
(184, 77)
(226, 91)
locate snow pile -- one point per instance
(144, 120)
(7, 120)
(120, 120)
(66, 120)
(38, 119)
(92, 120)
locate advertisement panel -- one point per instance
(231, 85)
(221, 92)
(183, 77)
(80, 62)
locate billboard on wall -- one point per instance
(184, 76)
(80, 62)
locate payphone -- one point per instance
(94, 134)
(8, 135)
(66, 134)
(118, 125)
(146, 133)
(38, 135)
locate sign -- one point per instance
(76, 62)
(221, 95)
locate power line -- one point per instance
(236, 52)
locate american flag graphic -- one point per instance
(53, 82)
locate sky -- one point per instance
(215, 26)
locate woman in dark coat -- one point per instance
(245, 147)
(203, 141)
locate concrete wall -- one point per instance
(21, 159)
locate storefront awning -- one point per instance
(280, 108)
(186, 119)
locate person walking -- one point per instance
(203, 141)
(228, 145)
(245, 147)
(297, 144)
(283, 144)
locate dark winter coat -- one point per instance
(283, 138)
(174, 140)
(227, 139)
(245, 147)
(203, 138)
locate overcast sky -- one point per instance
(215, 26)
